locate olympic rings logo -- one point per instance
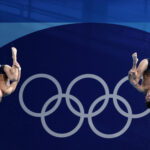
(81, 114)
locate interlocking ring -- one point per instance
(62, 134)
(87, 76)
(106, 97)
(104, 135)
(36, 76)
(122, 112)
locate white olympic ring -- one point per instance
(118, 107)
(62, 134)
(82, 113)
(90, 76)
(28, 111)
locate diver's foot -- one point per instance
(14, 52)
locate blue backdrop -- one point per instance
(72, 73)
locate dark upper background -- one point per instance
(74, 11)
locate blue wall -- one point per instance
(75, 56)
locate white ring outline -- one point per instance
(81, 114)
(122, 112)
(27, 81)
(114, 135)
(62, 135)
(85, 76)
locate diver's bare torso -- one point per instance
(4, 83)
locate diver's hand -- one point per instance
(132, 74)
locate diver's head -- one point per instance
(147, 98)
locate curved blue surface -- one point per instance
(12, 31)
(66, 52)
(29, 16)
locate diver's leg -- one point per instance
(135, 60)
(14, 55)
(142, 67)
(10, 89)
(8, 71)
(12, 72)
(137, 73)
(133, 71)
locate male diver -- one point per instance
(9, 76)
(142, 71)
